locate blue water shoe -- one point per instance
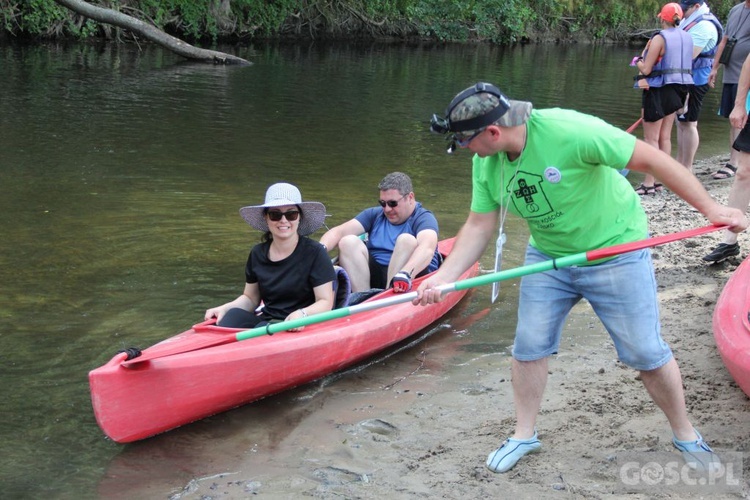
(697, 454)
(504, 458)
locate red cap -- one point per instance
(671, 13)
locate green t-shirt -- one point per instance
(566, 184)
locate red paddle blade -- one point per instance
(201, 336)
(603, 253)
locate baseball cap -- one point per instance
(686, 4)
(671, 12)
(478, 107)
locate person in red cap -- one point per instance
(666, 71)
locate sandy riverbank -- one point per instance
(433, 443)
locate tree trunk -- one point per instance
(150, 32)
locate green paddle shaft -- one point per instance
(539, 267)
(486, 279)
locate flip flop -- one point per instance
(725, 172)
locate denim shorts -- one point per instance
(622, 292)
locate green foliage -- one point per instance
(38, 16)
(498, 21)
(263, 17)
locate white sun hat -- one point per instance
(312, 213)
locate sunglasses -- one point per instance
(464, 141)
(276, 215)
(391, 203)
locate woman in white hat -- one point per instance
(291, 274)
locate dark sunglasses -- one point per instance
(391, 203)
(463, 140)
(276, 215)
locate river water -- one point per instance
(122, 172)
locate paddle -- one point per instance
(630, 129)
(633, 126)
(571, 260)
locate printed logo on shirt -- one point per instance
(528, 196)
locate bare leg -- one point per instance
(651, 135)
(529, 381)
(353, 257)
(664, 385)
(687, 143)
(405, 245)
(665, 134)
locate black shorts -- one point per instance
(728, 95)
(742, 142)
(696, 93)
(379, 274)
(659, 102)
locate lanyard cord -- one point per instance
(504, 210)
(742, 21)
(503, 215)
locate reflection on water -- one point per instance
(122, 173)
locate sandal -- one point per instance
(644, 189)
(725, 172)
(658, 187)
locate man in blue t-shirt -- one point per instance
(401, 241)
(706, 31)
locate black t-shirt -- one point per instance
(287, 285)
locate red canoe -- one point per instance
(732, 325)
(134, 401)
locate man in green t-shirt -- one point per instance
(559, 170)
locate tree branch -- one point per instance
(150, 32)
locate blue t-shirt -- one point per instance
(382, 233)
(705, 36)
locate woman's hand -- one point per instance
(215, 312)
(298, 314)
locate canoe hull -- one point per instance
(143, 399)
(732, 325)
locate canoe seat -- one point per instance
(342, 288)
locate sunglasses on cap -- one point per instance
(276, 215)
(391, 203)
